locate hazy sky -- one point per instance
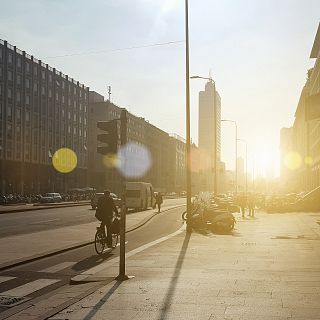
(258, 53)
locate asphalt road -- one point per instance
(60, 268)
(46, 219)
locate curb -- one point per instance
(40, 256)
(44, 207)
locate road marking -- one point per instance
(58, 267)
(44, 221)
(4, 279)
(30, 287)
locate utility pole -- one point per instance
(188, 136)
(123, 140)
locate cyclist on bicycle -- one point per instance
(106, 207)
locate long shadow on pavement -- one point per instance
(175, 277)
(102, 301)
(91, 261)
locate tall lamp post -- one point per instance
(236, 143)
(245, 141)
(188, 142)
(215, 182)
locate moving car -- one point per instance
(94, 199)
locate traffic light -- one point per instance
(110, 137)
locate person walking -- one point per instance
(242, 202)
(106, 207)
(251, 204)
(159, 200)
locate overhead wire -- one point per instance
(115, 50)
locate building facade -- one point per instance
(303, 173)
(41, 111)
(147, 143)
(210, 132)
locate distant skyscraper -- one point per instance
(210, 129)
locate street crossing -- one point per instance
(22, 284)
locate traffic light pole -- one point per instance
(122, 263)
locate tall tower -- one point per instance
(210, 133)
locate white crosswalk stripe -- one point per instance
(4, 279)
(58, 267)
(29, 288)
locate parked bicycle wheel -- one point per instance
(184, 216)
(115, 238)
(99, 241)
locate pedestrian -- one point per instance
(105, 209)
(242, 202)
(159, 200)
(251, 204)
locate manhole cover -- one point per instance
(7, 301)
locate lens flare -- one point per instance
(293, 160)
(134, 160)
(64, 160)
(308, 161)
(111, 160)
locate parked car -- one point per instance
(94, 199)
(51, 197)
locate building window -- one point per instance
(19, 62)
(27, 83)
(9, 93)
(1, 90)
(27, 67)
(18, 133)
(57, 96)
(9, 75)
(18, 79)
(50, 93)
(35, 87)
(50, 78)
(43, 90)
(27, 99)
(43, 74)
(10, 57)
(18, 97)
(9, 131)
(18, 115)
(1, 54)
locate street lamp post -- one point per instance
(188, 137)
(236, 143)
(245, 141)
(215, 182)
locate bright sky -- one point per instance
(258, 53)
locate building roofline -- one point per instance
(44, 65)
(316, 45)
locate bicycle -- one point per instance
(100, 240)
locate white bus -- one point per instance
(139, 195)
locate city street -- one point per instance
(268, 268)
(48, 274)
(47, 219)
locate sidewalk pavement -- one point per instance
(267, 269)
(20, 248)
